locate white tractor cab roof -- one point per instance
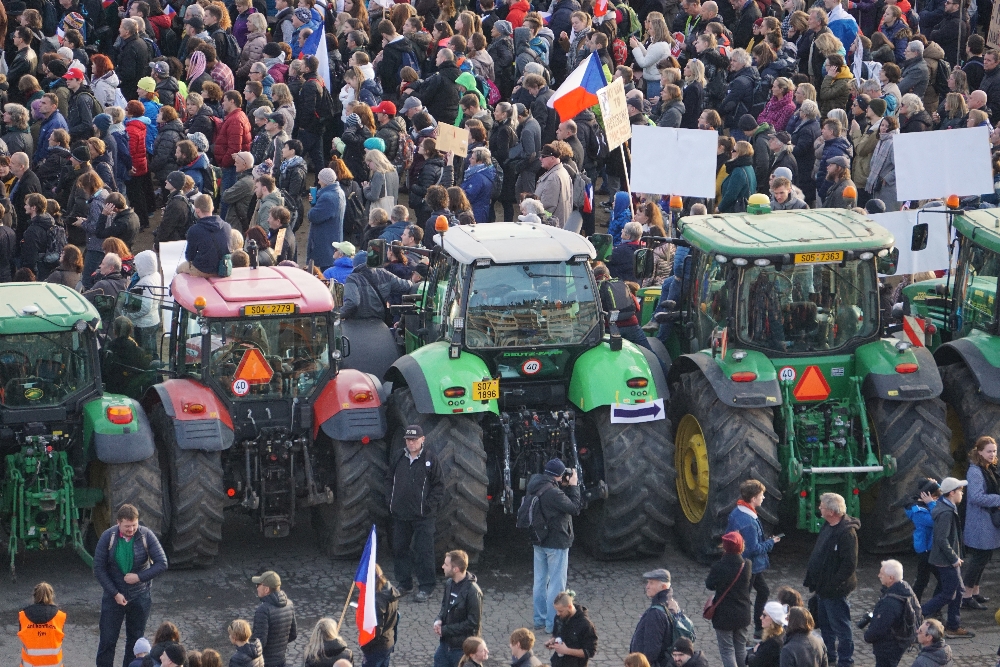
(514, 243)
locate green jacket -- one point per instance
(738, 186)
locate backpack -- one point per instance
(50, 18)
(580, 184)
(230, 54)
(354, 213)
(615, 295)
(124, 155)
(941, 77)
(761, 94)
(180, 106)
(56, 241)
(630, 22)
(324, 105)
(531, 517)
(408, 59)
(497, 180)
(96, 108)
(404, 154)
(154, 49)
(680, 626)
(911, 619)
(216, 125)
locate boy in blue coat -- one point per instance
(744, 519)
(923, 532)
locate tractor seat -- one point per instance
(800, 317)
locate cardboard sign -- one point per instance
(674, 161)
(451, 138)
(993, 36)
(614, 112)
(961, 163)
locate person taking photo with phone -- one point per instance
(746, 522)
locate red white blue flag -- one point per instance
(579, 90)
(600, 8)
(168, 10)
(588, 198)
(364, 579)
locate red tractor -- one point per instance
(258, 415)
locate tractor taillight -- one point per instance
(362, 396)
(120, 414)
(231, 492)
(194, 408)
(906, 368)
(365, 440)
(743, 376)
(454, 392)
(637, 383)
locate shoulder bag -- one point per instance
(709, 610)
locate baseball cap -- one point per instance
(278, 118)
(160, 68)
(413, 431)
(386, 107)
(555, 467)
(348, 249)
(411, 103)
(635, 102)
(659, 574)
(269, 579)
(73, 74)
(949, 484)
(147, 83)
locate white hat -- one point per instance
(778, 612)
(949, 484)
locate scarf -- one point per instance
(293, 161)
(197, 65)
(747, 506)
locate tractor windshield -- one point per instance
(976, 288)
(268, 357)
(808, 307)
(515, 305)
(42, 369)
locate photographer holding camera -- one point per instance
(892, 626)
(558, 501)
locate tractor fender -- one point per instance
(965, 350)
(371, 346)
(428, 371)
(600, 375)
(883, 382)
(117, 443)
(762, 393)
(350, 407)
(209, 429)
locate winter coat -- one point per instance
(326, 224)
(882, 176)
(65, 277)
(899, 41)
(529, 146)
(555, 190)
(835, 91)
(18, 141)
(767, 653)
(149, 286)
(382, 184)
(951, 35)
(918, 122)
(832, 148)
(694, 102)
(738, 186)
(91, 224)
(653, 635)
(234, 136)
(923, 526)
(432, 172)
(461, 613)
(864, 148)
(915, 76)
(240, 197)
(248, 655)
(333, 650)
(105, 89)
(174, 223)
(885, 632)
(648, 56)
(672, 115)
(793, 203)
(207, 242)
(778, 111)
(149, 561)
(621, 262)
(34, 243)
(342, 267)
(415, 487)
(274, 625)
(739, 96)
(548, 118)
(803, 649)
(389, 133)
(164, 157)
(440, 94)
(263, 208)
(743, 32)
(982, 496)
(202, 122)
(835, 197)
(755, 547)
(558, 504)
(938, 654)
(735, 611)
(577, 631)
(132, 65)
(124, 225)
(832, 568)
(478, 187)
(518, 10)
(50, 125)
(392, 61)
(354, 151)
(253, 52)
(200, 172)
(366, 291)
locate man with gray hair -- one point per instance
(832, 575)
(915, 73)
(620, 263)
(933, 651)
(399, 220)
(654, 633)
(133, 59)
(894, 621)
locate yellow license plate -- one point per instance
(269, 309)
(819, 257)
(487, 390)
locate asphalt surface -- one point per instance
(203, 602)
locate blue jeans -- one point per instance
(445, 656)
(551, 566)
(834, 623)
(376, 658)
(949, 594)
(413, 553)
(634, 334)
(134, 614)
(228, 181)
(91, 262)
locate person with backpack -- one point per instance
(396, 54)
(133, 57)
(896, 617)
(40, 236)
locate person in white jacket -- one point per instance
(149, 290)
(657, 47)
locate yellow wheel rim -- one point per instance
(691, 461)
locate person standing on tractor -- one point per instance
(744, 519)
(126, 560)
(654, 633)
(415, 491)
(832, 576)
(558, 501)
(461, 614)
(41, 631)
(616, 297)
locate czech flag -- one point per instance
(107, 3)
(588, 198)
(600, 8)
(579, 90)
(168, 10)
(364, 579)
(316, 46)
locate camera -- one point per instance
(567, 474)
(865, 620)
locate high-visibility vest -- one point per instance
(41, 643)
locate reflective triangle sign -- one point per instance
(254, 368)
(812, 386)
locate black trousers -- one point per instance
(413, 553)
(924, 572)
(758, 584)
(974, 565)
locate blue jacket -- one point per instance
(394, 232)
(341, 268)
(923, 526)
(148, 564)
(207, 243)
(55, 122)
(326, 225)
(832, 148)
(152, 111)
(196, 170)
(478, 186)
(755, 547)
(621, 215)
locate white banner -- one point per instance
(673, 161)
(932, 258)
(934, 165)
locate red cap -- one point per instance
(74, 74)
(386, 107)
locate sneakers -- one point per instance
(972, 603)
(959, 633)
(421, 596)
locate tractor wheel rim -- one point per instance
(692, 469)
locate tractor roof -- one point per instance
(982, 225)
(514, 242)
(226, 297)
(58, 308)
(784, 232)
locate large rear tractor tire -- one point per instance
(360, 498)
(457, 441)
(916, 433)
(139, 484)
(196, 499)
(974, 416)
(634, 520)
(717, 448)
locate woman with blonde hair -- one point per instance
(93, 187)
(773, 621)
(780, 106)
(694, 83)
(467, 24)
(656, 47)
(325, 647)
(741, 181)
(981, 538)
(384, 180)
(284, 104)
(353, 78)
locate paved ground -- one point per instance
(203, 602)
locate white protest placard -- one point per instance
(932, 258)
(614, 113)
(171, 255)
(451, 138)
(673, 161)
(993, 36)
(932, 165)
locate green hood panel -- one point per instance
(441, 373)
(600, 375)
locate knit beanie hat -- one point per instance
(732, 542)
(748, 122)
(353, 120)
(176, 653)
(505, 28)
(375, 143)
(81, 153)
(684, 645)
(57, 67)
(102, 121)
(199, 140)
(877, 106)
(176, 180)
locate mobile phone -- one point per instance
(779, 535)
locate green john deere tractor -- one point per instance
(959, 318)
(780, 373)
(71, 453)
(509, 363)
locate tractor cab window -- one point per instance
(711, 293)
(977, 285)
(42, 369)
(189, 340)
(269, 357)
(807, 307)
(515, 305)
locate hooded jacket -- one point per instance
(440, 93)
(164, 158)
(461, 613)
(149, 287)
(835, 91)
(34, 243)
(392, 61)
(559, 504)
(274, 624)
(577, 631)
(738, 186)
(937, 654)
(248, 655)
(207, 243)
(518, 10)
(831, 572)
(387, 617)
(105, 89)
(478, 187)
(947, 545)
(136, 129)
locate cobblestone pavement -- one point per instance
(203, 602)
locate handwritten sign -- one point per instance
(614, 111)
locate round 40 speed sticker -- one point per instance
(531, 366)
(241, 387)
(787, 374)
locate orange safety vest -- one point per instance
(41, 643)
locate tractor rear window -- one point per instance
(42, 369)
(515, 305)
(976, 288)
(807, 307)
(271, 357)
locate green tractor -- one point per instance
(957, 318)
(780, 372)
(509, 364)
(71, 453)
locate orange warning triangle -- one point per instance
(812, 386)
(254, 368)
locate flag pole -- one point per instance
(628, 188)
(347, 603)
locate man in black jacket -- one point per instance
(654, 633)
(274, 619)
(415, 491)
(439, 92)
(80, 107)
(27, 182)
(461, 614)
(133, 58)
(831, 575)
(390, 59)
(548, 118)
(946, 556)
(36, 237)
(574, 638)
(887, 632)
(559, 501)
(308, 116)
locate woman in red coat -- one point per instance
(140, 186)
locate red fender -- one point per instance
(354, 391)
(189, 400)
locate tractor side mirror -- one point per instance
(887, 265)
(642, 263)
(603, 244)
(376, 253)
(918, 240)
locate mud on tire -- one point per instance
(342, 526)
(138, 483)
(975, 415)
